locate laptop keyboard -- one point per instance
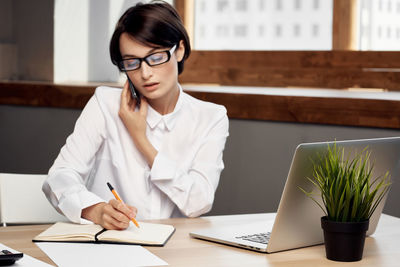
(262, 238)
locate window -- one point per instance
(297, 4)
(222, 5)
(203, 31)
(278, 30)
(240, 30)
(222, 31)
(378, 21)
(278, 4)
(316, 4)
(261, 30)
(244, 17)
(261, 4)
(203, 7)
(296, 30)
(241, 5)
(309, 28)
(315, 30)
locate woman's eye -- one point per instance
(131, 63)
(156, 58)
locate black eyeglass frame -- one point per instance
(145, 59)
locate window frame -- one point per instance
(341, 68)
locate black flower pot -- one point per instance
(344, 241)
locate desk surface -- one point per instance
(381, 249)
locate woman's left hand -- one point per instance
(134, 121)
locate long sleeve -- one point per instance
(65, 186)
(184, 175)
(192, 188)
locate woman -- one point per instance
(163, 157)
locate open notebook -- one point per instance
(148, 234)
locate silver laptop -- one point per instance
(297, 222)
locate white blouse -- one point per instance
(184, 175)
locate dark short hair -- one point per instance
(156, 24)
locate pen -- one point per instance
(119, 199)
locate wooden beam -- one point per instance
(43, 94)
(180, 8)
(185, 9)
(379, 113)
(305, 109)
(322, 69)
(345, 25)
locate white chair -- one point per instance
(23, 202)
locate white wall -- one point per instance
(82, 33)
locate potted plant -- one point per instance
(350, 195)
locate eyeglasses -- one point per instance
(154, 59)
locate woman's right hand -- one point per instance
(134, 121)
(113, 215)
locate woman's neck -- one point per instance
(166, 104)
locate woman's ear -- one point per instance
(180, 51)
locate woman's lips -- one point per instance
(151, 86)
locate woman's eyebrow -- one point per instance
(153, 50)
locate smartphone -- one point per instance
(9, 258)
(134, 92)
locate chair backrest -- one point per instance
(23, 202)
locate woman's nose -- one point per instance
(146, 71)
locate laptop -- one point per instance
(297, 223)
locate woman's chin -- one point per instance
(151, 95)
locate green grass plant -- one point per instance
(348, 191)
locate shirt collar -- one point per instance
(154, 118)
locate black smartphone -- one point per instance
(9, 258)
(134, 92)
